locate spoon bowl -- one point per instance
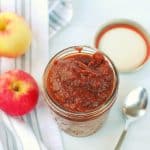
(136, 103)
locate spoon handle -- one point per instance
(118, 146)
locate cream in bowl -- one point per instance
(126, 43)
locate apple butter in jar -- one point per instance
(80, 85)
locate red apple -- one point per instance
(18, 92)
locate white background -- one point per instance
(89, 16)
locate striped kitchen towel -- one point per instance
(60, 14)
(44, 23)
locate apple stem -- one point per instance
(2, 26)
(15, 87)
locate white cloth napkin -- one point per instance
(34, 61)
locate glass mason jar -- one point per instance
(80, 123)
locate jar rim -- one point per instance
(102, 108)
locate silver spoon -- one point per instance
(134, 107)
